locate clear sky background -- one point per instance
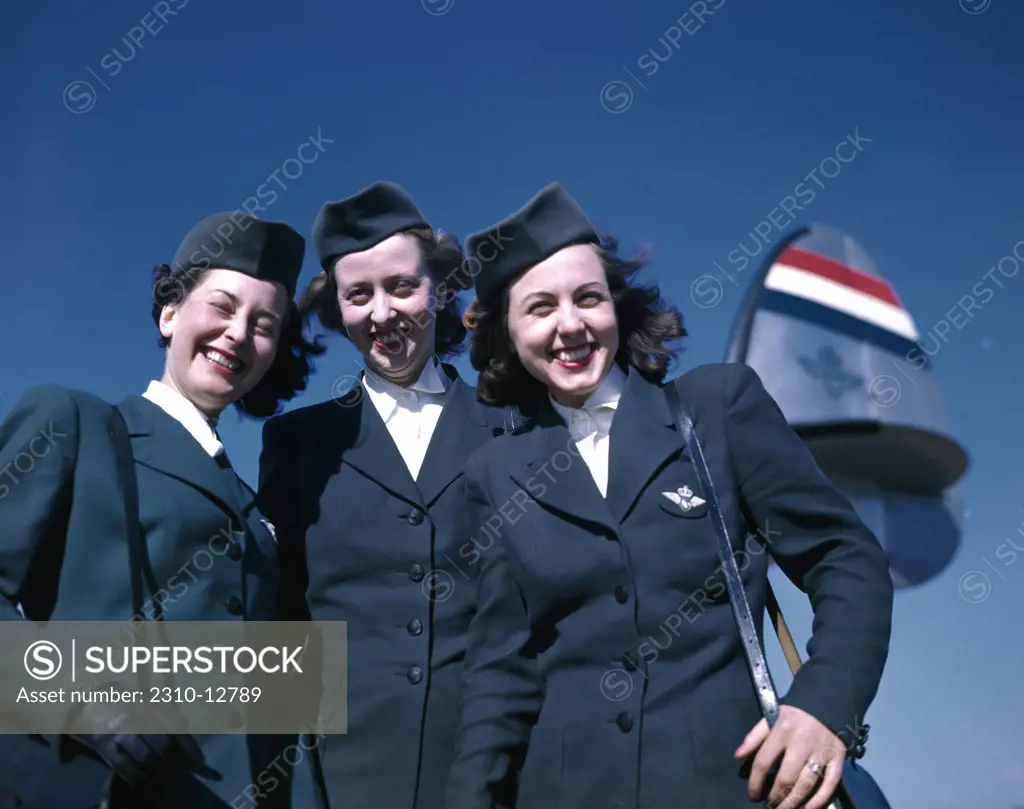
(473, 106)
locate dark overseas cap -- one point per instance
(550, 221)
(363, 220)
(234, 240)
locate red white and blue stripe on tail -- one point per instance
(830, 294)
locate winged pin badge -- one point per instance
(684, 498)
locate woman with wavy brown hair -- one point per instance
(604, 667)
(367, 493)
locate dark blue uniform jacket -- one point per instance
(604, 651)
(64, 557)
(366, 544)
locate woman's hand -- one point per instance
(812, 760)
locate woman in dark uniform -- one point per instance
(604, 648)
(367, 493)
(233, 336)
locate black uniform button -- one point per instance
(415, 626)
(415, 517)
(234, 605)
(234, 551)
(624, 722)
(629, 661)
(415, 674)
(621, 595)
(416, 573)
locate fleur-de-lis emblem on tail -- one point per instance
(684, 498)
(827, 368)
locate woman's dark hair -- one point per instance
(445, 263)
(288, 373)
(647, 323)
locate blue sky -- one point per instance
(475, 105)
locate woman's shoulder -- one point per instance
(722, 388)
(497, 453)
(52, 399)
(56, 410)
(721, 395)
(501, 419)
(318, 416)
(717, 379)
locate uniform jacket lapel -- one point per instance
(368, 447)
(163, 444)
(642, 440)
(461, 429)
(551, 470)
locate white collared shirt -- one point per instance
(411, 413)
(187, 414)
(590, 425)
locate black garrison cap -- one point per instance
(234, 240)
(550, 221)
(363, 220)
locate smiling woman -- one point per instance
(367, 492)
(123, 494)
(559, 699)
(224, 337)
(391, 301)
(564, 322)
(239, 340)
